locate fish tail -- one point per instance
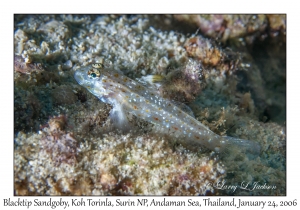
(247, 146)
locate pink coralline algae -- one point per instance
(210, 55)
(26, 68)
(60, 145)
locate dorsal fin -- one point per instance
(184, 108)
(151, 79)
(151, 82)
(155, 81)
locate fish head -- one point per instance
(91, 78)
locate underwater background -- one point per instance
(229, 69)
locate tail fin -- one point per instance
(247, 146)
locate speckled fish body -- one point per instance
(112, 87)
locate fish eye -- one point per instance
(94, 73)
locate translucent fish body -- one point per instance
(130, 96)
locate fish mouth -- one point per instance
(79, 77)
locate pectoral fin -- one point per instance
(119, 118)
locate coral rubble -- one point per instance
(66, 144)
(234, 26)
(111, 165)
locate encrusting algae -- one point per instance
(68, 142)
(111, 165)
